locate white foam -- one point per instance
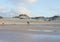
(43, 30)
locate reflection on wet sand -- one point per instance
(27, 37)
(29, 33)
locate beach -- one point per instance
(30, 32)
(32, 26)
(18, 30)
(24, 21)
(29, 20)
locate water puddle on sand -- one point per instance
(44, 30)
(44, 36)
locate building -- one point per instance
(58, 18)
(55, 18)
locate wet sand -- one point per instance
(27, 37)
(30, 33)
(31, 26)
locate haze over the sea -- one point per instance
(47, 8)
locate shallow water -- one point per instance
(54, 25)
(44, 30)
(27, 37)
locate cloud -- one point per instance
(56, 11)
(23, 2)
(31, 1)
(2, 8)
(20, 3)
(24, 11)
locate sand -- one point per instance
(32, 26)
(16, 30)
(29, 33)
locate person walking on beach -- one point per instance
(28, 22)
(2, 23)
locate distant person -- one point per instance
(28, 22)
(2, 23)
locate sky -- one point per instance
(32, 8)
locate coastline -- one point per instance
(24, 21)
(13, 22)
(34, 24)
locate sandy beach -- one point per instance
(36, 31)
(29, 33)
(24, 21)
(32, 26)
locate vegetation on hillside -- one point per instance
(1, 17)
(22, 16)
(16, 17)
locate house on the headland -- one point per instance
(40, 18)
(58, 18)
(24, 16)
(54, 18)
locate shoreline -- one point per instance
(29, 26)
(24, 21)
(7, 22)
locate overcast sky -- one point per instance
(47, 8)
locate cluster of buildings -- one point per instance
(54, 18)
(24, 16)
